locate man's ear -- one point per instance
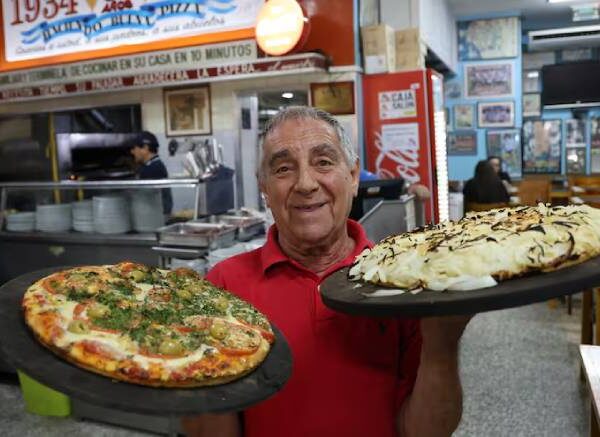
(355, 173)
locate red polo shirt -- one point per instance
(350, 374)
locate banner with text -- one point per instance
(40, 28)
(183, 58)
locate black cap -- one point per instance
(145, 138)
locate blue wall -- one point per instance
(462, 167)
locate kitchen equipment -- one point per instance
(247, 226)
(20, 222)
(111, 214)
(198, 235)
(83, 216)
(53, 218)
(147, 210)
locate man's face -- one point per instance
(139, 154)
(495, 163)
(307, 181)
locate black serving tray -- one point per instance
(342, 295)
(21, 350)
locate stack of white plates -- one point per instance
(111, 215)
(147, 210)
(20, 222)
(53, 218)
(83, 216)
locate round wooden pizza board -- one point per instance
(343, 295)
(21, 350)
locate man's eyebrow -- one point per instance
(280, 154)
(325, 149)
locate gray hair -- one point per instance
(305, 112)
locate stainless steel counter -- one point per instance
(130, 239)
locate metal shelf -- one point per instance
(98, 185)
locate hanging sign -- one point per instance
(41, 28)
(280, 26)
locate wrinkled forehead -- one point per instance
(300, 133)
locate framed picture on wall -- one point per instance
(488, 39)
(595, 160)
(531, 81)
(337, 98)
(595, 132)
(575, 133)
(506, 144)
(452, 90)
(575, 160)
(488, 80)
(462, 143)
(532, 105)
(542, 146)
(496, 114)
(188, 111)
(464, 116)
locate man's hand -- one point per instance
(435, 406)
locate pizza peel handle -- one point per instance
(21, 350)
(343, 295)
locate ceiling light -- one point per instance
(287, 95)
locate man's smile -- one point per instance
(309, 207)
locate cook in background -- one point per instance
(145, 154)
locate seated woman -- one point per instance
(486, 188)
(496, 163)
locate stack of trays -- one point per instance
(20, 222)
(147, 210)
(111, 215)
(53, 218)
(83, 216)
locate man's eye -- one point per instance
(325, 162)
(282, 169)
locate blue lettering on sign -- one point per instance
(92, 25)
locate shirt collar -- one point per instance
(151, 160)
(272, 254)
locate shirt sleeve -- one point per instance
(215, 277)
(410, 356)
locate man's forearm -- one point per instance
(435, 406)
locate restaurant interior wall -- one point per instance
(586, 114)
(462, 167)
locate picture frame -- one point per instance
(576, 160)
(187, 111)
(464, 116)
(532, 81)
(536, 60)
(337, 98)
(594, 132)
(576, 55)
(449, 126)
(462, 143)
(532, 105)
(489, 80)
(496, 114)
(575, 133)
(506, 144)
(493, 38)
(542, 141)
(452, 90)
(595, 160)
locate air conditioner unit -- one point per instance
(567, 37)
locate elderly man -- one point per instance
(352, 376)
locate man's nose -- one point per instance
(307, 181)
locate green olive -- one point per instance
(184, 293)
(218, 330)
(222, 303)
(78, 327)
(137, 275)
(170, 347)
(98, 310)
